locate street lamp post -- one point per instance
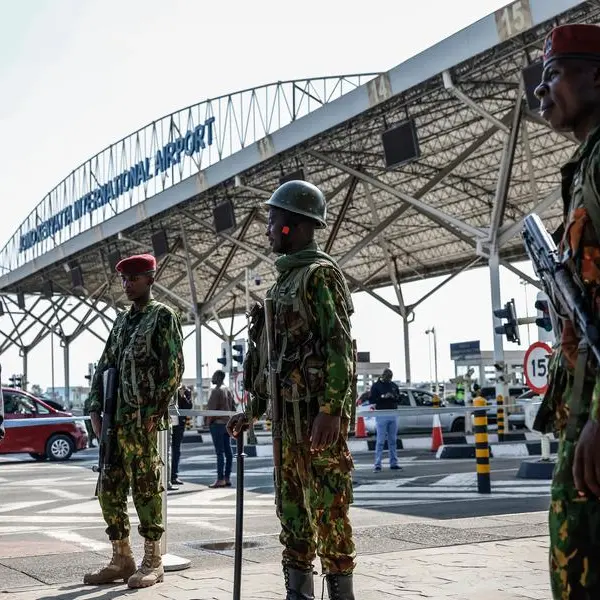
(435, 360)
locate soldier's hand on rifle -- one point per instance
(586, 466)
(237, 423)
(325, 431)
(96, 424)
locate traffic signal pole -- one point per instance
(499, 362)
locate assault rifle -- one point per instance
(353, 387)
(275, 399)
(107, 441)
(561, 286)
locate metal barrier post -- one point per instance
(500, 417)
(545, 442)
(482, 449)
(171, 562)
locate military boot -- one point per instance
(299, 585)
(339, 587)
(121, 565)
(151, 570)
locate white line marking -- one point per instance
(70, 536)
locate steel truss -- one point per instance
(485, 163)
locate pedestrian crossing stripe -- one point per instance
(221, 503)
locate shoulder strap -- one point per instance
(591, 202)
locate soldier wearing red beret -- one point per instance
(146, 347)
(570, 101)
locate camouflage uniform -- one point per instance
(312, 333)
(146, 347)
(573, 391)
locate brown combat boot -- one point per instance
(121, 565)
(151, 570)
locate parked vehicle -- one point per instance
(415, 423)
(516, 419)
(54, 441)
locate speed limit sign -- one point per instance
(536, 367)
(239, 386)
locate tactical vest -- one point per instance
(301, 363)
(580, 250)
(137, 361)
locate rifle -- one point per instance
(275, 400)
(562, 287)
(353, 387)
(106, 442)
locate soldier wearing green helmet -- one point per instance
(311, 322)
(301, 198)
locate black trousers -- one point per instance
(176, 439)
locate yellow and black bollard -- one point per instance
(482, 448)
(500, 417)
(436, 401)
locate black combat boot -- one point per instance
(339, 587)
(299, 585)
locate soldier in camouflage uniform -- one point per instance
(312, 308)
(145, 345)
(570, 102)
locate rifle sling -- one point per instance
(577, 391)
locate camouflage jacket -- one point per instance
(146, 347)
(312, 307)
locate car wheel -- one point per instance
(458, 425)
(37, 456)
(60, 447)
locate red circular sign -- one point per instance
(535, 367)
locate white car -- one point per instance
(420, 422)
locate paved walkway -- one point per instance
(501, 570)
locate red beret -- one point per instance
(137, 265)
(572, 41)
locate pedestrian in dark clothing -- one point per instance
(184, 402)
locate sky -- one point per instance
(77, 76)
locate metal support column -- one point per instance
(24, 355)
(197, 314)
(198, 336)
(501, 384)
(65, 343)
(406, 322)
(171, 562)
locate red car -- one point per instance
(54, 441)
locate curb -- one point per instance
(498, 450)
(536, 469)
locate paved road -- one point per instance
(49, 509)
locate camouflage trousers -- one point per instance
(316, 493)
(574, 535)
(136, 466)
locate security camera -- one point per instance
(257, 279)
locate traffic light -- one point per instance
(91, 371)
(15, 381)
(511, 328)
(225, 359)
(543, 321)
(238, 351)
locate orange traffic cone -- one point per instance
(361, 432)
(437, 439)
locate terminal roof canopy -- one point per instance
(485, 161)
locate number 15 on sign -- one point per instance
(536, 367)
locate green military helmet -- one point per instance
(302, 198)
